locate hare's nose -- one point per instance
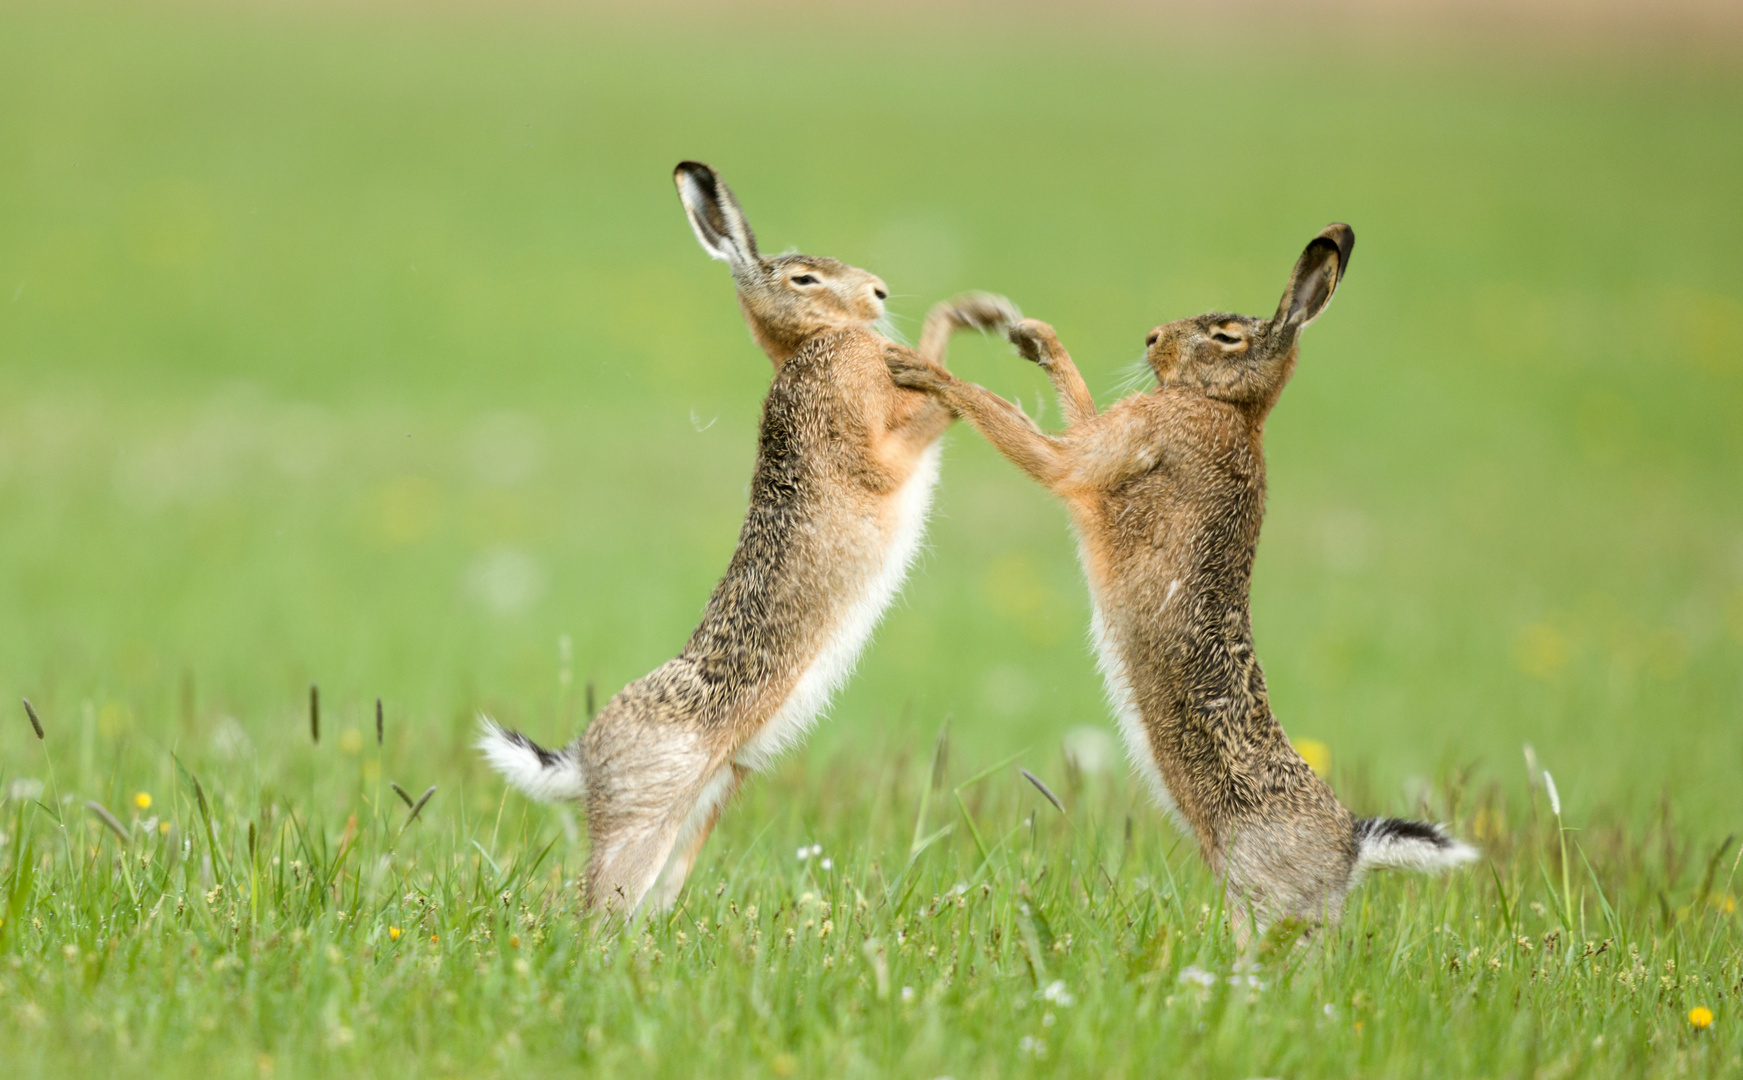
(878, 291)
(1155, 336)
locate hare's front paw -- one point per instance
(1035, 340)
(982, 311)
(910, 372)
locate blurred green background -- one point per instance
(371, 348)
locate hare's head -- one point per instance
(1246, 360)
(786, 299)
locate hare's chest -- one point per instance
(872, 549)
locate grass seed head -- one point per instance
(30, 711)
(102, 814)
(1043, 789)
(418, 807)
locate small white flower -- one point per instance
(907, 994)
(1029, 1044)
(1049, 1020)
(803, 853)
(1057, 994)
(1196, 975)
(827, 864)
(1329, 1011)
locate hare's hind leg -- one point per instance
(704, 815)
(647, 778)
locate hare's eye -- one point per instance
(1224, 337)
(804, 279)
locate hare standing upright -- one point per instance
(844, 474)
(1166, 490)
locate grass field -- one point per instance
(371, 350)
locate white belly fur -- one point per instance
(834, 662)
(1125, 706)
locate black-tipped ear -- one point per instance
(715, 215)
(1316, 275)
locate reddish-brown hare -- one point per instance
(845, 469)
(1166, 490)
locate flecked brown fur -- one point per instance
(1167, 492)
(831, 506)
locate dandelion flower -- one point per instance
(1701, 1017)
(143, 800)
(1316, 754)
(393, 933)
(163, 828)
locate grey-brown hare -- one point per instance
(845, 468)
(1166, 490)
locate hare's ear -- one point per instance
(1316, 276)
(715, 215)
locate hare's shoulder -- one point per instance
(817, 406)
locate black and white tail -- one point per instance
(1407, 845)
(545, 775)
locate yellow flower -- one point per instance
(163, 828)
(514, 941)
(1701, 1017)
(143, 800)
(433, 939)
(393, 933)
(1315, 753)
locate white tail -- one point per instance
(1407, 845)
(545, 775)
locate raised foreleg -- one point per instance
(1038, 344)
(1004, 425)
(918, 427)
